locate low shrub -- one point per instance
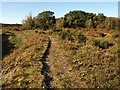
(101, 44)
(104, 44)
(101, 34)
(81, 37)
(96, 42)
(66, 35)
(56, 30)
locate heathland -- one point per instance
(79, 50)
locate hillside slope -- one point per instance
(22, 68)
(45, 60)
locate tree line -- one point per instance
(74, 19)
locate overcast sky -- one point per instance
(15, 12)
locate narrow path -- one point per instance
(61, 70)
(46, 69)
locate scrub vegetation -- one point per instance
(79, 50)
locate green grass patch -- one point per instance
(115, 51)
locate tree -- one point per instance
(89, 23)
(46, 19)
(90, 16)
(75, 19)
(99, 20)
(101, 17)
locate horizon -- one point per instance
(19, 10)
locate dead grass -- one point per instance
(24, 62)
(72, 64)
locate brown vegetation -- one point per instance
(68, 52)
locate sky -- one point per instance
(15, 12)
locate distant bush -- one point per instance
(54, 30)
(101, 34)
(73, 36)
(104, 44)
(81, 37)
(96, 42)
(101, 44)
(66, 35)
(28, 23)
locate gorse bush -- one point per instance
(101, 34)
(81, 37)
(70, 36)
(56, 30)
(101, 44)
(104, 44)
(96, 42)
(66, 35)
